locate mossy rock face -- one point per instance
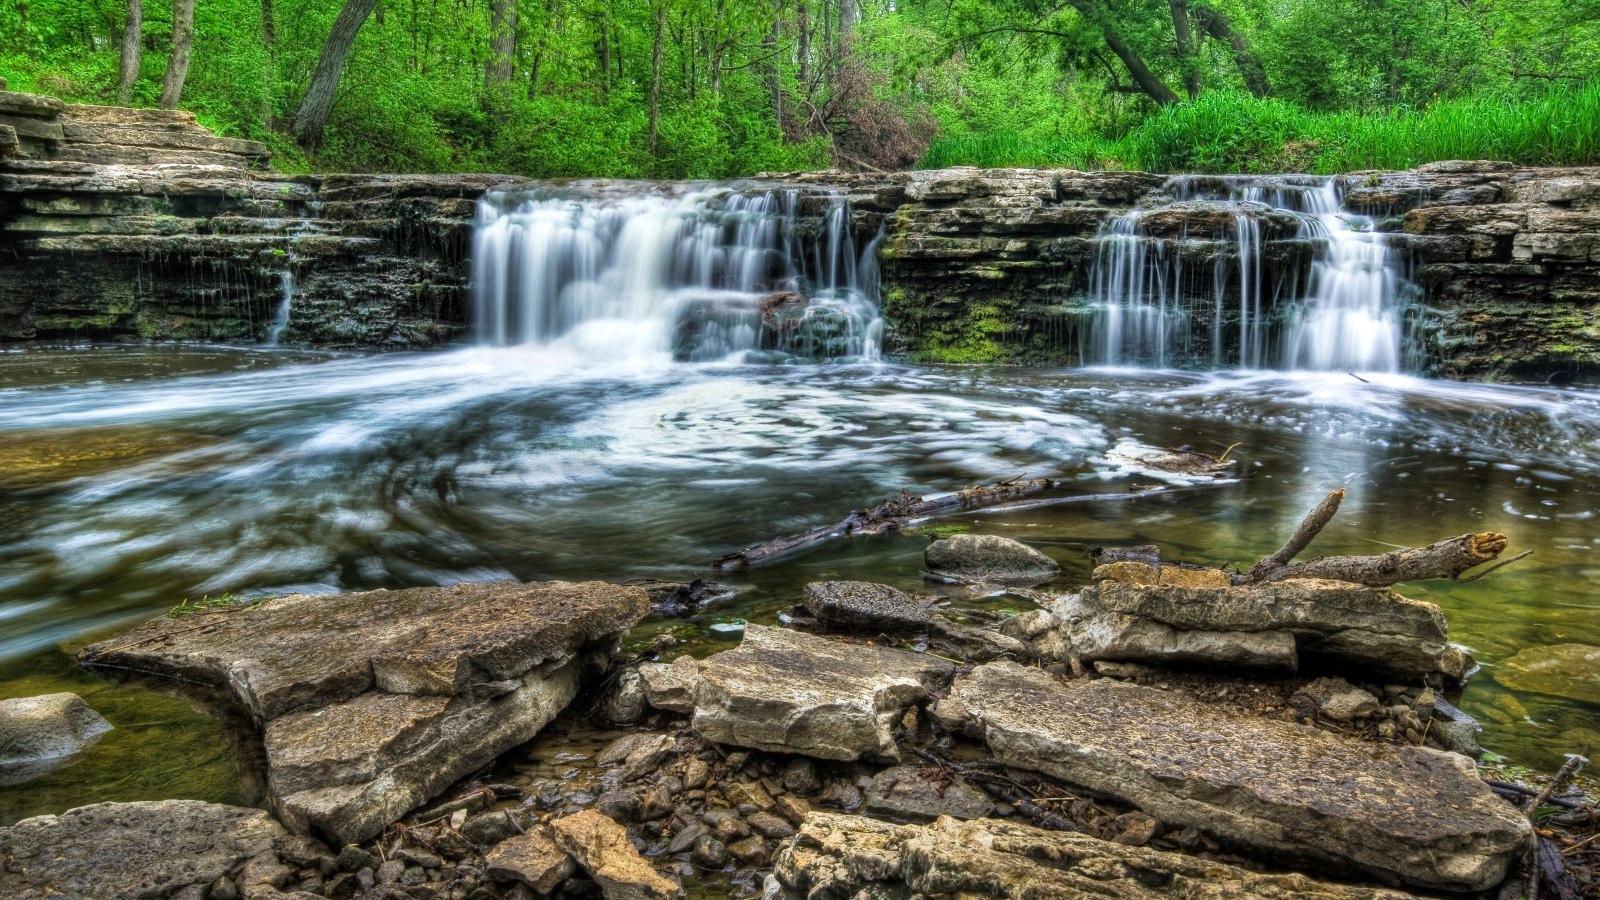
(1571, 671)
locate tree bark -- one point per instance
(1303, 535)
(774, 79)
(802, 25)
(1248, 64)
(317, 104)
(502, 41)
(1146, 80)
(1185, 40)
(132, 45)
(655, 76)
(1445, 559)
(182, 46)
(269, 28)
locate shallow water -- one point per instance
(131, 479)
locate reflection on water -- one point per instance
(244, 472)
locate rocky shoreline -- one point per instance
(493, 741)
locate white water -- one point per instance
(280, 316)
(1345, 314)
(707, 276)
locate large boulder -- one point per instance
(788, 692)
(1137, 613)
(169, 848)
(1411, 815)
(847, 856)
(40, 734)
(989, 557)
(369, 704)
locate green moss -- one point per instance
(975, 337)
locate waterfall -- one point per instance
(280, 316)
(708, 275)
(1296, 282)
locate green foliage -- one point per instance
(208, 603)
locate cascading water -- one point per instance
(704, 276)
(286, 279)
(1342, 309)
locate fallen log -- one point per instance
(889, 515)
(1445, 559)
(1303, 535)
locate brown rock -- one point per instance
(532, 858)
(602, 848)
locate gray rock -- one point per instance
(1338, 700)
(861, 606)
(988, 557)
(670, 686)
(532, 859)
(120, 851)
(370, 704)
(41, 734)
(1411, 814)
(908, 793)
(1571, 671)
(625, 702)
(849, 856)
(787, 692)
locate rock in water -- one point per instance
(40, 734)
(1407, 814)
(864, 606)
(370, 704)
(602, 848)
(170, 848)
(989, 557)
(787, 692)
(1561, 670)
(849, 856)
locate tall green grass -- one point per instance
(1233, 132)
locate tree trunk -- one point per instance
(1249, 65)
(1185, 41)
(132, 44)
(502, 41)
(269, 28)
(317, 105)
(1146, 80)
(802, 25)
(655, 76)
(847, 20)
(182, 46)
(774, 79)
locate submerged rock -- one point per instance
(788, 692)
(370, 704)
(1560, 670)
(170, 848)
(602, 848)
(864, 606)
(989, 557)
(40, 734)
(1406, 814)
(848, 856)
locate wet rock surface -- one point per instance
(41, 734)
(989, 557)
(790, 692)
(864, 606)
(843, 856)
(1560, 670)
(170, 848)
(1412, 815)
(371, 703)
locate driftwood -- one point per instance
(1448, 558)
(1545, 863)
(889, 515)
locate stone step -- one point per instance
(116, 154)
(30, 128)
(9, 145)
(124, 115)
(34, 225)
(1404, 814)
(16, 103)
(167, 138)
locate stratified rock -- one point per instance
(849, 856)
(1559, 670)
(532, 858)
(1408, 814)
(670, 686)
(909, 792)
(1271, 625)
(1338, 700)
(40, 734)
(120, 851)
(369, 704)
(864, 606)
(602, 848)
(989, 557)
(788, 692)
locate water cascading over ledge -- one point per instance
(706, 275)
(1247, 271)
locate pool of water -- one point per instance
(134, 478)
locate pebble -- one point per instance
(769, 825)
(800, 776)
(710, 853)
(389, 871)
(752, 851)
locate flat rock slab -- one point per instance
(1560, 670)
(849, 856)
(787, 692)
(864, 607)
(1404, 814)
(601, 846)
(119, 851)
(989, 557)
(41, 734)
(371, 703)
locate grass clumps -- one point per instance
(209, 603)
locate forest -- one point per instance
(716, 88)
